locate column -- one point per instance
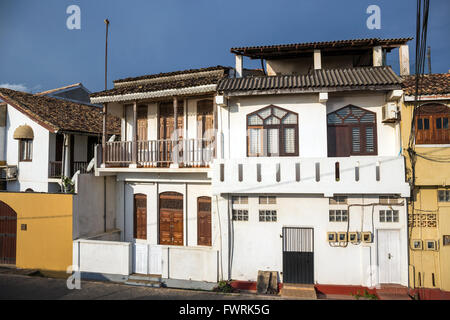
(134, 138)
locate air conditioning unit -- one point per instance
(417, 244)
(430, 245)
(331, 236)
(342, 236)
(8, 173)
(367, 237)
(390, 112)
(353, 237)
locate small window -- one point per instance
(267, 215)
(240, 215)
(391, 199)
(338, 215)
(25, 150)
(444, 195)
(389, 216)
(338, 200)
(240, 199)
(267, 200)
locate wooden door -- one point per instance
(142, 123)
(140, 216)
(339, 141)
(171, 218)
(8, 233)
(204, 221)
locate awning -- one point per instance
(23, 132)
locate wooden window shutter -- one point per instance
(204, 221)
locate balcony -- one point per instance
(184, 153)
(327, 176)
(55, 168)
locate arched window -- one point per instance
(432, 124)
(25, 136)
(352, 131)
(272, 131)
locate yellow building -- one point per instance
(36, 230)
(427, 156)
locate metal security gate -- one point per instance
(8, 231)
(298, 255)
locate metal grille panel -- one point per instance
(298, 239)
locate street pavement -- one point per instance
(13, 286)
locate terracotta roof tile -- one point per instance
(60, 115)
(437, 83)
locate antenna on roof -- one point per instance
(106, 54)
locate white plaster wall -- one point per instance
(258, 246)
(312, 127)
(108, 257)
(32, 174)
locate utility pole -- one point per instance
(429, 59)
(105, 127)
(106, 55)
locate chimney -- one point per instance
(377, 56)
(239, 66)
(403, 53)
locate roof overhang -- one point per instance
(210, 88)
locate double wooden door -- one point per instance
(171, 218)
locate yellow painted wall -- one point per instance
(431, 176)
(47, 242)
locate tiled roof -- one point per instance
(351, 78)
(432, 84)
(166, 81)
(169, 74)
(282, 49)
(60, 115)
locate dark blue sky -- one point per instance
(38, 52)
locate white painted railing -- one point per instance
(153, 153)
(328, 176)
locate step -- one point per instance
(304, 291)
(144, 283)
(391, 296)
(146, 277)
(393, 289)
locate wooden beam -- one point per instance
(134, 138)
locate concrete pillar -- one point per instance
(134, 138)
(377, 56)
(403, 53)
(239, 66)
(317, 60)
(105, 112)
(66, 168)
(2, 134)
(175, 150)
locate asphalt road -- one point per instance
(14, 286)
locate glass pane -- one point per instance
(244, 199)
(445, 123)
(441, 195)
(426, 123)
(290, 119)
(265, 112)
(357, 112)
(343, 112)
(356, 140)
(389, 216)
(370, 145)
(279, 113)
(272, 141)
(333, 119)
(419, 124)
(272, 120)
(382, 216)
(447, 196)
(331, 215)
(351, 119)
(439, 123)
(368, 118)
(395, 216)
(254, 120)
(255, 141)
(289, 140)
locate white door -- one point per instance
(155, 263)
(389, 256)
(140, 258)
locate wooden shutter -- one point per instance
(140, 216)
(171, 218)
(204, 221)
(142, 123)
(339, 141)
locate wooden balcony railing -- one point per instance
(80, 165)
(161, 153)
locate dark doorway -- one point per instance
(8, 234)
(298, 255)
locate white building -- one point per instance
(303, 176)
(45, 136)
